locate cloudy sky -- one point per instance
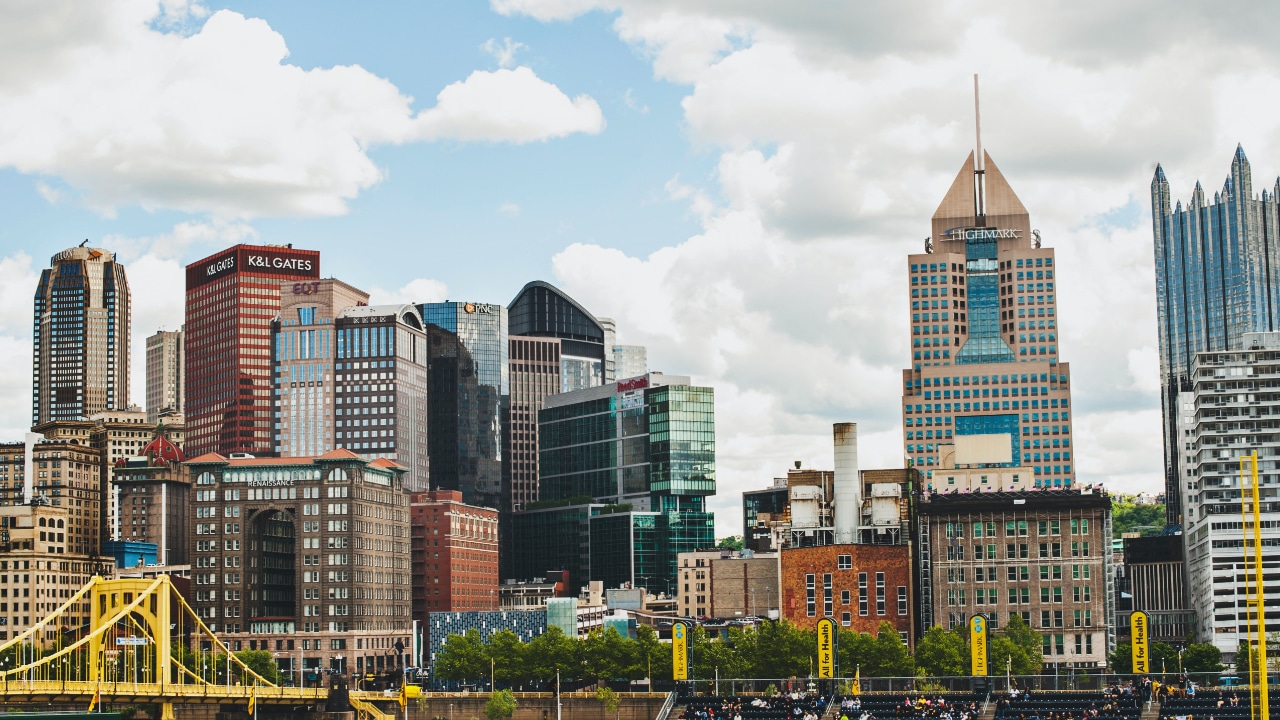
(737, 182)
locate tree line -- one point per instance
(769, 650)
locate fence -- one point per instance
(1077, 679)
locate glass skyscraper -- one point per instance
(1217, 263)
(467, 382)
(984, 334)
(543, 310)
(625, 471)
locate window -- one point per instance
(880, 603)
(810, 589)
(862, 594)
(827, 596)
(846, 619)
(844, 562)
(844, 597)
(902, 601)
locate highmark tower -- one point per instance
(984, 331)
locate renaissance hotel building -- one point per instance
(986, 386)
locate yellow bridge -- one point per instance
(143, 644)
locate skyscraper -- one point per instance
(166, 363)
(984, 335)
(542, 310)
(232, 297)
(1217, 265)
(467, 383)
(80, 337)
(630, 361)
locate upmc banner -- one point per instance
(1138, 638)
(826, 648)
(978, 645)
(679, 651)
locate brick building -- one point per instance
(725, 584)
(65, 473)
(860, 586)
(455, 554)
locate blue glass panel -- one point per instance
(993, 425)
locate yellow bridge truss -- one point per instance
(137, 642)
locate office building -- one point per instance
(984, 334)
(455, 554)
(526, 624)
(1043, 554)
(80, 337)
(535, 375)
(382, 350)
(39, 570)
(305, 350)
(166, 368)
(308, 549)
(467, 376)
(1216, 263)
(1228, 413)
(542, 310)
(625, 470)
(232, 298)
(1155, 570)
(63, 474)
(153, 492)
(727, 584)
(630, 361)
(859, 586)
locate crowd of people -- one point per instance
(787, 706)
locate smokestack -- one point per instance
(848, 488)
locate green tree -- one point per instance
(462, 658)
(1121, 659)
(1202, 658)
(652, 654)
(507, 658)
(1017, 647)
(1246, 661)
(889, 656)
(1126, 516)
(1164, 659)
(502, 704)
(942, 653)
(733, 542)
(550, 651)
(608, 698)
(260, 662)
(773, 649)
(855, 649)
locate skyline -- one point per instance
(737, 187)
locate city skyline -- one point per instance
(651, 177)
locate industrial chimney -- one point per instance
(848, 488)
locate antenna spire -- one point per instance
(979, 169)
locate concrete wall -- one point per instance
(532, 708)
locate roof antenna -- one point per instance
(979, 169)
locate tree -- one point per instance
(1029, 641)
(462, 658)
(1127, 516)
(1164, 659)
(1246, 661)
(855, 649)
(889, 656)
(507, 658)
(733, 542)
(942, 653)
(653, 654)
(550, 651)
(608, 698)
(1121, 659)
(1202, 658)
(260, 662)
(502, 704)
(773, 649)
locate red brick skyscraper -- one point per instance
(232, 297)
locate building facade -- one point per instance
(455, 554)
(467, 383)
(80, 337)
(1044, 555)
(153, 494)
(726, 584)
(858, 586)
(381, 349)
(304, 353)
(630, 361)
(232, 299)
(1155, 570)
(1230, 412)
(314, 550)
(166, 373)
(625, 469)
(1216, 262)
(984, 333)
(65, 474)
(542, 310)
(534, 375)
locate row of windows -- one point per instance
(1078, 526)
(1019, 551)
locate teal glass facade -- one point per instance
(1217, 263)
(623, 477)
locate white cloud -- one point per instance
(505, 52)
(509, 209)
(631, 101)
(420, 290)
(149, 103)
(508, 105)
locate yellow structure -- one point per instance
(1260, 705)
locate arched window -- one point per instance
(338, 475)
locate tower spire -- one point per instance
(979, 167)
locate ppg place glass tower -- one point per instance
(984, 333)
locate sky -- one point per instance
(737, 182)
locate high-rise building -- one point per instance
(1217, 264)
(1228, 414)
(535, 375)
(153, 491)
(625, 471)
(630, 361)
(304, 354)
(381, 398)
(80, 337)
(166, 365)
(542, 310)
(455, 554)
(313, 550)
(984, 334)
(62, 473)
(467, 383)
(232, 298)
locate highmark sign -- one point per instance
(981, 234)
(680, 651)
(978, 645)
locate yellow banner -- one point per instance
(826, 648)
(978, 645)
(679, 651)
(1138, 641)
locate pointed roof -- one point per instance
(208, 458)
(1160, 174)
(162, 448)
(958, 202)
(340, 454)
(388, 464)
(1000, 197)
(1240, 153)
